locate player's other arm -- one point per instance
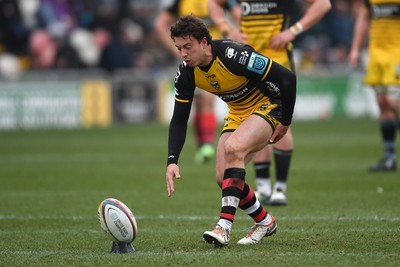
(316, 10)
(314, 13)
(286, 81)
(162, 23)
(360, 33)
(217, 15)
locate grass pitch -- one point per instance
(52, 181)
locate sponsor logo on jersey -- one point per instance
(272, 87)
(216, 85)
(243, 57)
(257, 63)
(235, 95)
(230, 52)
(257, 8)
(213, 82)
(385, 10)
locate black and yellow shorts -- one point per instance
(271, 113)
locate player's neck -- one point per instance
(208, 56)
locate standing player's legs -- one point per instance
(262, 164)
(234, 150)
(282, 152)
(389, 121)
(205, 123)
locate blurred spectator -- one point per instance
(113, 34)
(106, 16)
(43, 50)
(14, 34)
(9, 66)
(55, 16)
(340, 23)
(124, 48)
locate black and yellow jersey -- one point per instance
(239, 76)
(261, 20)
(385, 24)
(197, 8)
(384, 43)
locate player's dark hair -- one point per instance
(190, 26)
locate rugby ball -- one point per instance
(117, 221)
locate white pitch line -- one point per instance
(200, 218)
(247, 252)
(55, 157)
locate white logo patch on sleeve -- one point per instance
(257, 63)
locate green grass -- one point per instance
(52, 181)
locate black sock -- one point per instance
(282, 163)
(388, 133)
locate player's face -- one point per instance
(192, 51)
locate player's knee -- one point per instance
(233, 151)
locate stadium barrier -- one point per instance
(319, 97)
(71, 99)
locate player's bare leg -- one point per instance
(234, 150)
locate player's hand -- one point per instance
(280, 41)
(172, 172)
(353, 58)
(279, 132)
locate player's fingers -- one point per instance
(170, 187)
(272, 140)
(278, 133)
(272, 44)
(277, 44)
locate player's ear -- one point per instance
(203, 42)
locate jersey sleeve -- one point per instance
(285, 81)
(184, 92)
(243, 60)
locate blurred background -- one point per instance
(83, 63)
